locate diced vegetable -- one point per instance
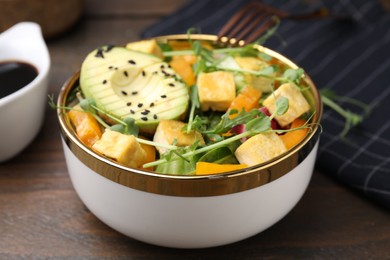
(194, 130)
(147, 46)
(274, 124)
(260, 148)
(87, 127)
(150, 153)
(183, 66)
(171, 131)
(297, 104)
(216, 90)
(203, 168)
(251, 63)
(123, 148)
(290, 139)
(247, 99)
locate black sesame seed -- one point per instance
(164, 96)
(99, 53)
(151, 104)
(145, 112)
(169, 66)
(140, 104)
(166, 74)
(171, 84)
(155, 116)
(110, 47)
(128, 104)
(125, 73)
(162, 66)
(104, 81)
(144, 118)
(132, 111)
(143, 73)
(110, 67)
(134, 92)
(116, 68)
(124, 93)
(132, 62)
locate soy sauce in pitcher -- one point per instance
(14, 75)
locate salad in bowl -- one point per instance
(190, 107)
(180, 142)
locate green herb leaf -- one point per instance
(219, 155)
(282, 105)
(269, 70)
(131, 127)
(226, 123)
(118, 128)
(293, 75)
(351, 119)
(260, 124)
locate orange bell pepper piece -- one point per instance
(203, 168)
(150, 153)
(87, 127)
(290, 139)
(247, 99)
(183, 66)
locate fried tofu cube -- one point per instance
(125, 149)
(251, 63)
(297, 103)
(260, 148)
(216, 90)
(148, 46)
(170, 132)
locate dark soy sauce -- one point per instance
(14, 75)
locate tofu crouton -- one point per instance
(216, 90)
(169, 131)
(123, 148)
(298, 104)
(260, 148)
(251, 63)
(148, 46)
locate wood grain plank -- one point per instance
(42, 217)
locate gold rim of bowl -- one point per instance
(193, 186)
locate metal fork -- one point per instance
(254, 19)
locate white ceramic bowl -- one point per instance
(190, 211)
(22, 112)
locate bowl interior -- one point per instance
(205, 185)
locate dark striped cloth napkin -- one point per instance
(350, 57)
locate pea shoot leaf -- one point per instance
(282, 105)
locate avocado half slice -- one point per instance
(127, 83)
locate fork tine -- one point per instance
(252, 30)
(261, 30)
(250, 22)
(255, 18)
(232, 22)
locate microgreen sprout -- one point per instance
(194, 99)
(351, 119)
(125, 126)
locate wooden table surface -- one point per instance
(42, 217)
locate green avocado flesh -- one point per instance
(127, 83)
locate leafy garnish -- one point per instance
(260, 123)
(219, 155)
(282, 104)
(226, 123)
(125, 126)
(194, 99)
(352, 119)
